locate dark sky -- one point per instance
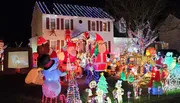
(16, 17)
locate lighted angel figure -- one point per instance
(118, 92)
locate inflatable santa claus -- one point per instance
(68, 54)
(100, 53)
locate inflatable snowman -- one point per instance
(51, 87)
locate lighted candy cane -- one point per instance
(48, 92)
(159, 88)
(149, 91)
(62, 98)
(129, 95)
(140, 91)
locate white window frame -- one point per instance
(69, 24)
(55, 43)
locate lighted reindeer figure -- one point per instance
(118, 92)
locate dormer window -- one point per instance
(122, 25)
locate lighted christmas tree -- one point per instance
(123, 76)
(102, 84)
(73, 95)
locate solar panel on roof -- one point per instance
(72, 10)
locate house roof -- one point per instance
(72, 10)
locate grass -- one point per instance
(14, 90)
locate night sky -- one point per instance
(16, 17)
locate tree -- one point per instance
(142, 16)
(102, 84)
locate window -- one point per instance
(109, 46)
(47, 23)
(109, 26)
(62, 43)
(58, 44)
(52, 23)
(72, 24)
(100, 25)
(89, 25)
(80, 21)
(97, 25)
(66, 24)
(53, 44)
(93, 26)
(104, 27)
(62, 24)
(57, 20)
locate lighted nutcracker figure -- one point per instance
(100, 52)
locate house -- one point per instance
(170, 32)
(51, 20)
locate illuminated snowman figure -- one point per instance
(51, 87)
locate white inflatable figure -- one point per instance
(51, 87)
(118, 92)
(92, 85)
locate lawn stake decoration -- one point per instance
(2, 47)
(92, 86)
(118, 92)
(62, 98)
(51, 87)
(101, 90)
(128, 96)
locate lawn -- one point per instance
(14, 90)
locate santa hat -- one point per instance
(53, 54)
(86, 35)
(159, 62)
(71, 44)
(41, 41)
(98, 38)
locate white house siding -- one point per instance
(77, 28)
(39, 28)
